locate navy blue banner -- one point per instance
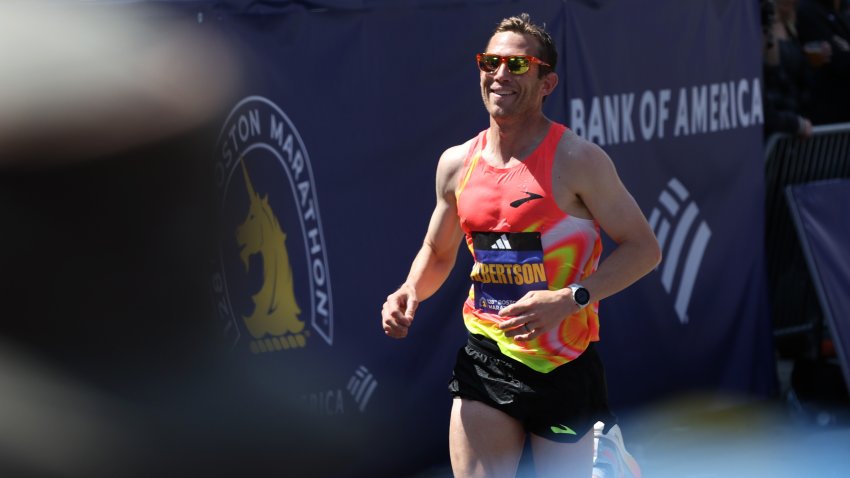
(682, 121)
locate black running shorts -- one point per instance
(561, 405)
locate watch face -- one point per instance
(581, 296)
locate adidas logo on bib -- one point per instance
(501, 243)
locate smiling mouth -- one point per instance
(502, 94)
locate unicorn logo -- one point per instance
(272, 281)
(275, 309)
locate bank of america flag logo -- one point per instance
(683, 238)
(361, 385)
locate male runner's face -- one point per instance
(504, 93)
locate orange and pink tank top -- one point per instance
(522, 241)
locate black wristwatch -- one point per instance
(580, 295)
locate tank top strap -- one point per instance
(475, 148)
(473, 155)
(540, 161)
(546, 150)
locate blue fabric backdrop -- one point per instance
(681, 120)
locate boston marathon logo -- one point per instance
(272, 285)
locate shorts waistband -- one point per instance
(484, 342)
(489, 348)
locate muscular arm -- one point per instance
(604, 195)
(586, 185)
(438, 253)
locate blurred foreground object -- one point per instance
(81, 80)
(108, 114)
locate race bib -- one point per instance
(507, 266)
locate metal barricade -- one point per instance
(791, 160)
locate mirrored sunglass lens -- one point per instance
(489, 63)
(518, 65)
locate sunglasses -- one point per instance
(517, 64)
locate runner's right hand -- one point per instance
(398, 310)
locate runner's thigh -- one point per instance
(483, 441)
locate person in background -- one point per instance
(821, 23)
(787, 72)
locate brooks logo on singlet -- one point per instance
(531, 197)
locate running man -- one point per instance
(529, 197)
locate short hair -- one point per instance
(523, 25)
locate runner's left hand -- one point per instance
(536, 313)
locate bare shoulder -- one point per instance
(581, 172)
(450, 166)
(581, 157)
(454, 156)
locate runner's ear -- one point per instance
(550, 82)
